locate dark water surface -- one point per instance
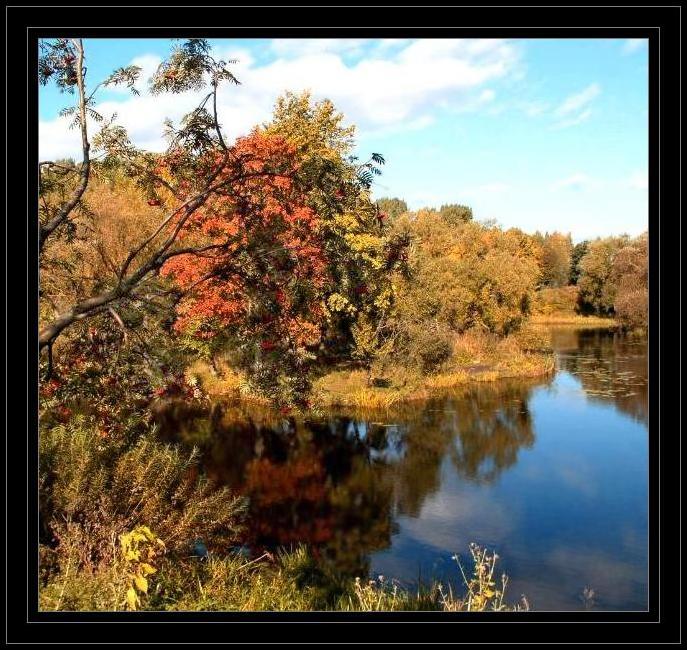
(549, 473)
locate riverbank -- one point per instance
(285, 581)
(571, 318)
(476, 358)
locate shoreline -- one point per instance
(350, 387)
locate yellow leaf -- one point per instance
(147, 568)
(147, 532)
(131, 598)
(141, 583)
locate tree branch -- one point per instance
(63, 213)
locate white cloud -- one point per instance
(579, 100)
(493, 188)
(575, 108)
(298, 47)
(573, 121)
(578, 181)
(638, 180)
(632, 45)
(398, 85)
(533, 109)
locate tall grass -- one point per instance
(94, 489)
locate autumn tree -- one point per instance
(392, 207)
(64, 214)
(460, 277)
(578, 252)
(455, 214)
(556, 256)
(362, 252)
(597, 283)
(631, 276)
(296, 250)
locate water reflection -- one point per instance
(339, 484)
(537, 469)
(612, 367)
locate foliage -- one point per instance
(578, 252)
(104, 371)
(455, 214)
(631, 276)
(93, 489)
(596, 282)
(556, 254)
(392, 207)
(462, 277)
(557, 300)
(140, 547)
(289, 581)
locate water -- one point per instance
(549, 473)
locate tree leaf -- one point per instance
(141, 583)
(131, 598)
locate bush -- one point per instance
(552, 300)
(426, 347)
(92, 490)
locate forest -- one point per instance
(262, 272)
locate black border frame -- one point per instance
(661, 623)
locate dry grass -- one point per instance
(570, 318)
(476, 357)
(225, 383)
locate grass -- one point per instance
(571, 318)
(476, 357)
(285, 581)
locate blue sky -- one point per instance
(541, 134)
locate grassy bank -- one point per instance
(475, 357)
(287, 581)
(571, 318)
(131, 524)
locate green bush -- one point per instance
(93, 489)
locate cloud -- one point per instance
(575, 108)
(573, 121)
(578, 181)
(632, 45)
(298, 47)
(575, 102)
(493, 188)
(638, 180)
(399, 84)
(533, 109)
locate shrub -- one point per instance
(92, 490)
(553, 300)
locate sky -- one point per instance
(539, 134)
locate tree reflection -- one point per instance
(339, 484)
(493, 427)
(610, 365)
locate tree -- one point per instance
(460, 277)
(360, 249)
(631, 277)
(193, 181)
(455, 214)
(597, 283)
(578, 252)
(392, 207)
(556, 255)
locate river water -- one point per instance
(552, 474)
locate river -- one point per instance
(552, 474)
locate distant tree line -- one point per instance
(605, 276)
